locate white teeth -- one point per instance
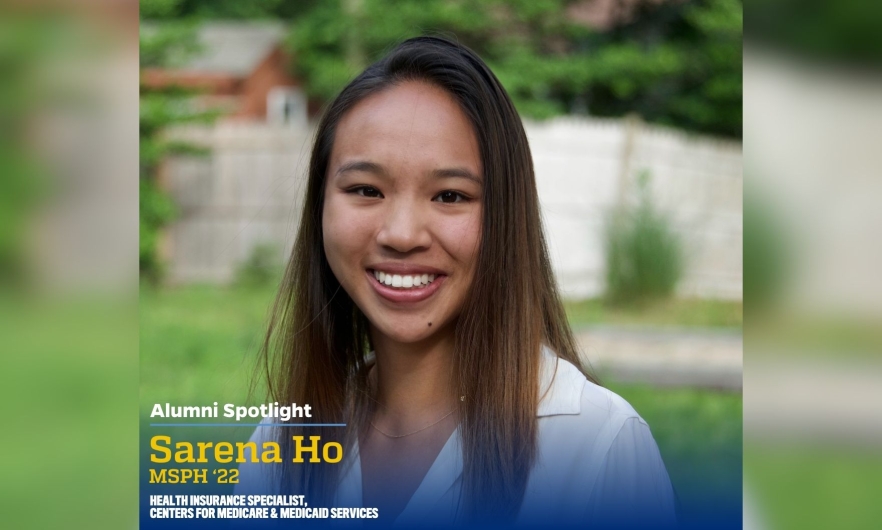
(401, 281)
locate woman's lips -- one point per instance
(406, 295)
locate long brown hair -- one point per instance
(317, 339)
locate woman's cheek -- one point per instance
(337, 234)
(463, 237)
(349, 234)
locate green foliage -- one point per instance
(156, 210)
(167, 44)
(223, 9)
(835, 32)
(162, 45)
(263, 267)
(766, 252)
(674, 63)
(157, 9)
(644, 257)
(25, 48)
(22, 185)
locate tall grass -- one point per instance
(644, 256)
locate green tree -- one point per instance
(223, 9)
(162, 45)
(832, 32)
(674, 63)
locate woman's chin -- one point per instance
(409, 333)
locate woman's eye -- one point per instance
(450, 196)
(366, 191)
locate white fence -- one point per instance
(584, 168)
(248, 193)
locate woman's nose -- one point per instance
(404, 227)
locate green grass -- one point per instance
(814, 487)
(199, 343)
(690, 312)
(818, 335)
(68, 370)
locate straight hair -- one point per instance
(317, 339)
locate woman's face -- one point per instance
(402, 210)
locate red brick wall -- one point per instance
(271, 72)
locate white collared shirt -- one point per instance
(596, 462)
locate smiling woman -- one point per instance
(420, 308)
(404, 200)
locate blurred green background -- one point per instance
(70, 346)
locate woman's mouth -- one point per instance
(405, 288)
(403, 281)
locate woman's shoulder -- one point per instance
(565, 390)
(585, 417)
(595, 453)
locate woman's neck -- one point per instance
(412, 380)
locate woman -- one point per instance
(419, 307)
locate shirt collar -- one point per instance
(560, 385)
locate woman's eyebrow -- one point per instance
(361, 165)
(457, 172)
(377, 169)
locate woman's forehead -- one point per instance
(413, 125)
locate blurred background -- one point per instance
(633, 110)
(68, 263)
(812, 256)
(633, 113)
